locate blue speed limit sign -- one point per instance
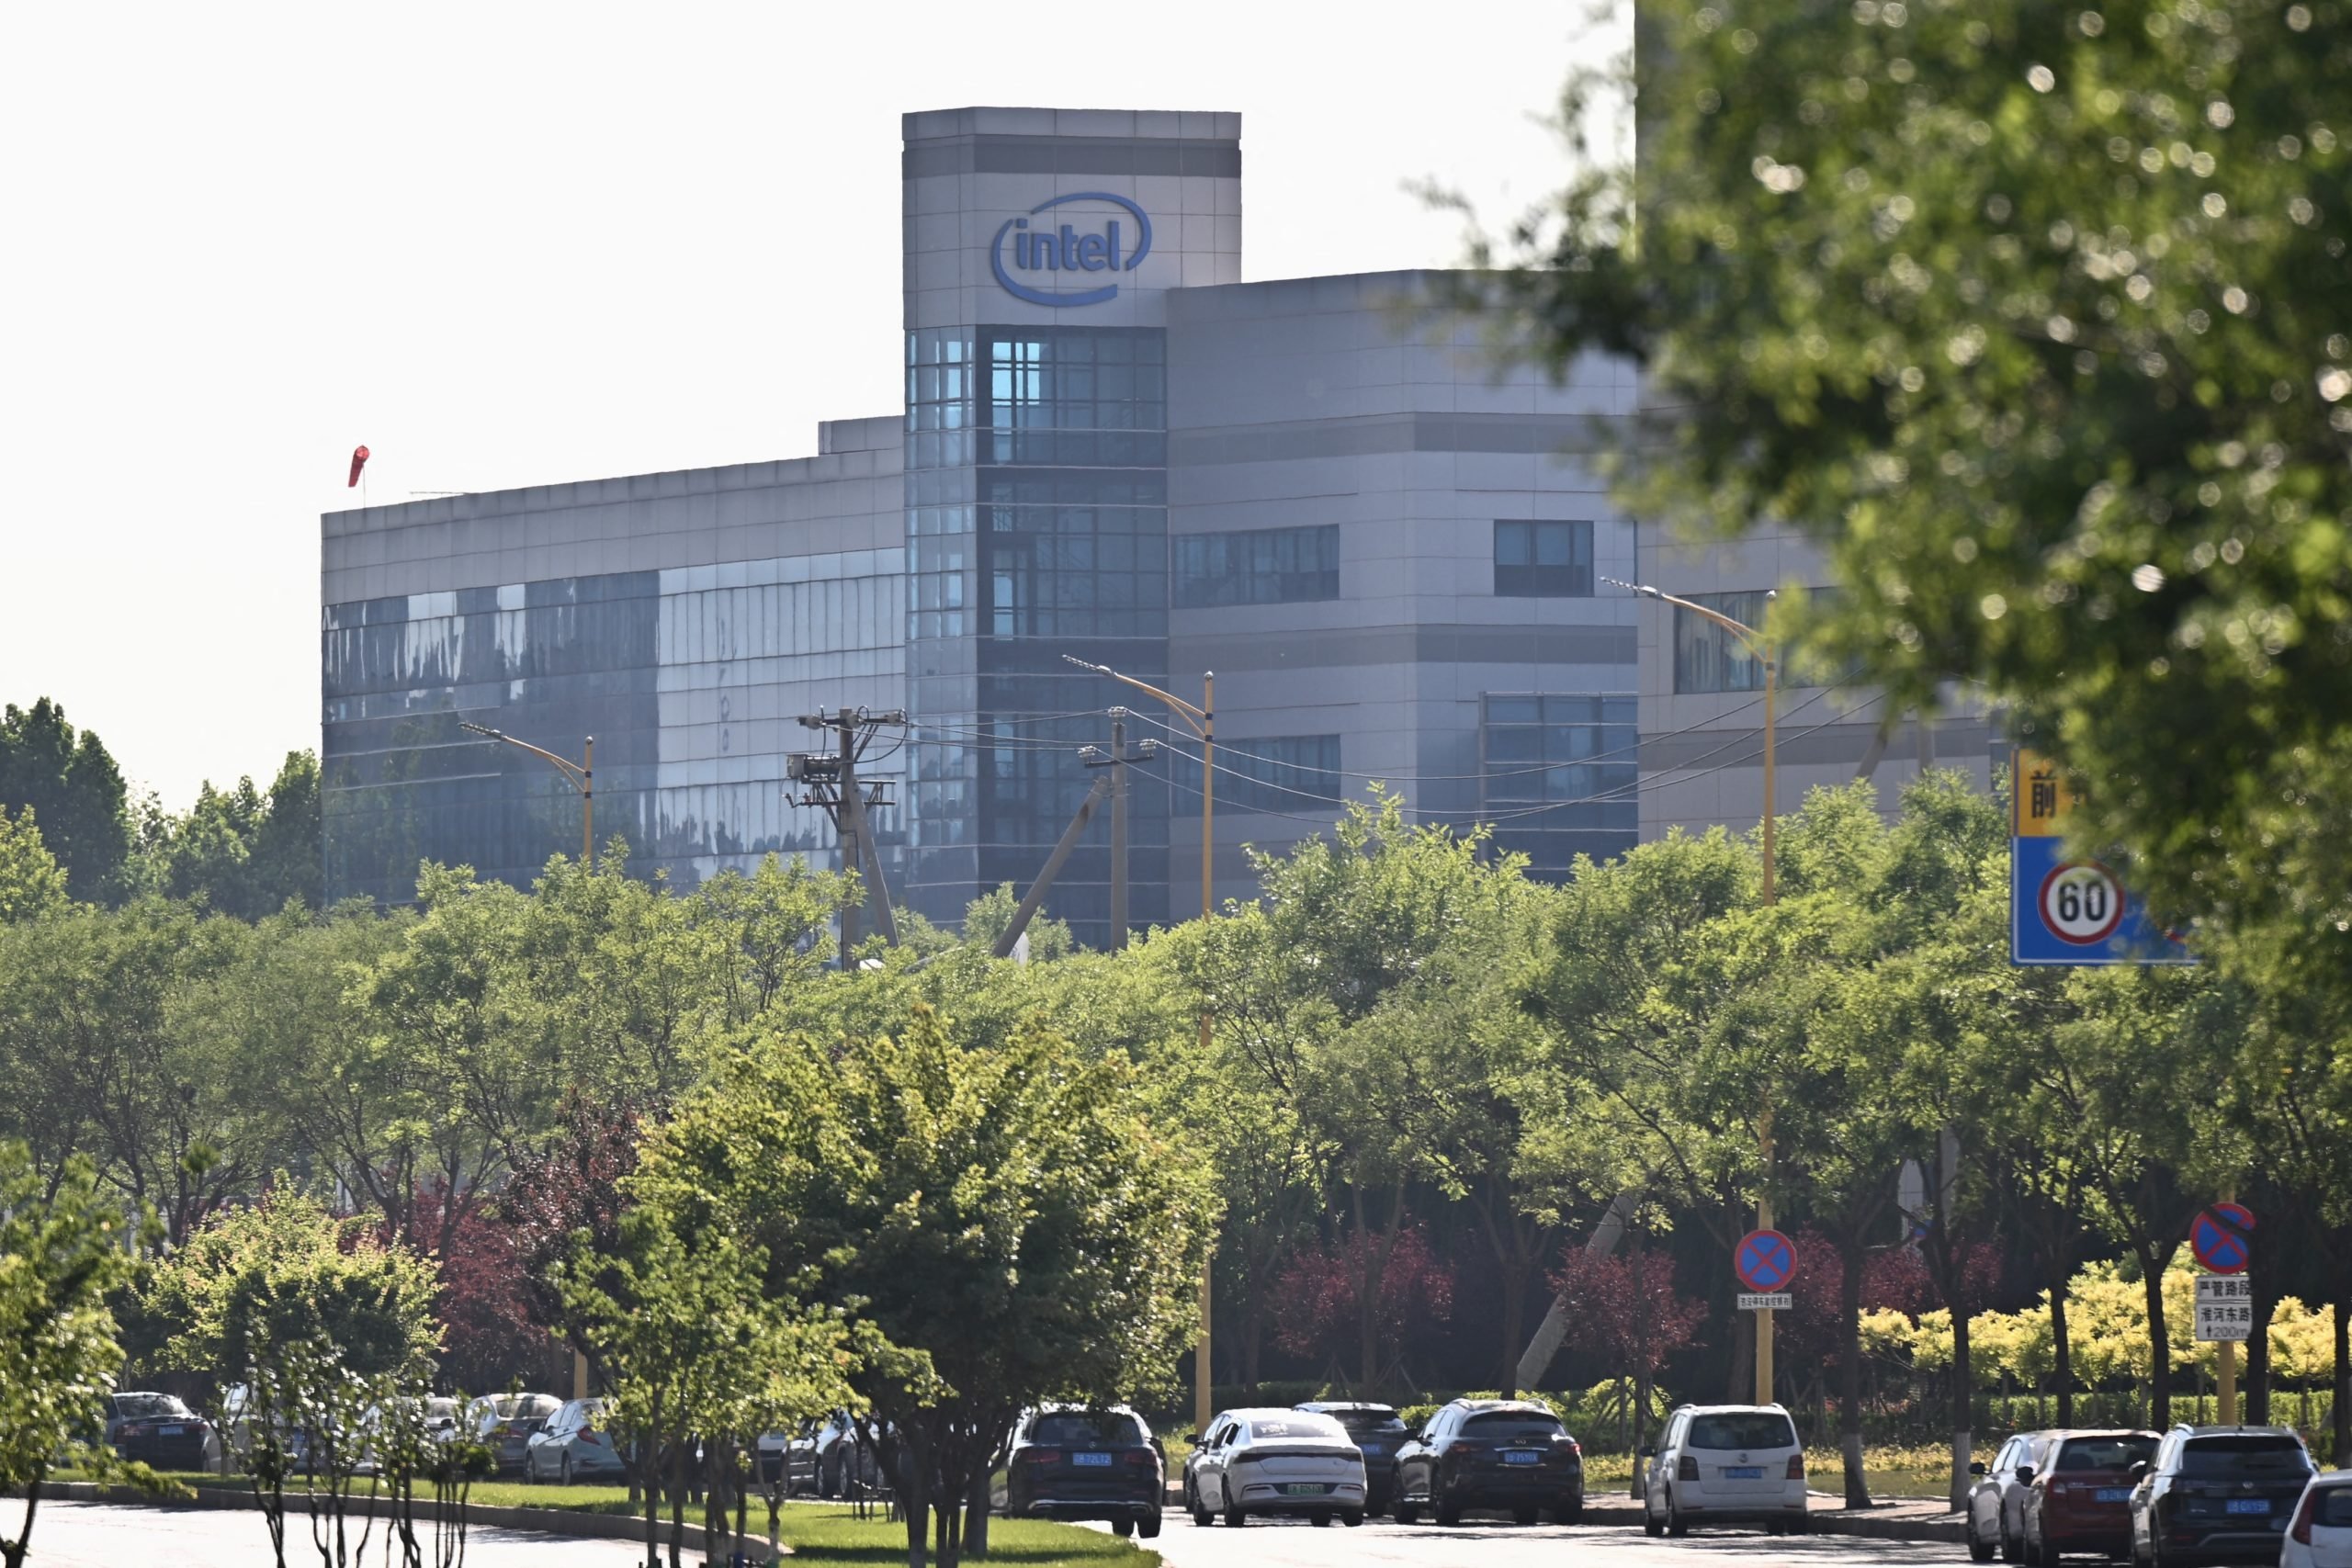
(2082, 902)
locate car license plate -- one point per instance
(1743, 1473)
(1306, 1489)
(2249, 1505)
(1520, 1456)
(1095, 1461)
(2113, 1494)
(171, 1431)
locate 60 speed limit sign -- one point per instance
(2081, 902)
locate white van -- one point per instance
(1725, 1464)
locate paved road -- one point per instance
(98, 1535)
(1265, 1544)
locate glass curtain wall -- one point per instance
(1559, 777)
(1038, 526)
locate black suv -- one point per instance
(1379, 1431)
(2216, 1494)
(1504, 1454)
(1068, 1462)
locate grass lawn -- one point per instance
(817, 1533)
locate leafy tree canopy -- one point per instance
(2035, 318)
(73, 787)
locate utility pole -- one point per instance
(1117, 761)
(831, 785)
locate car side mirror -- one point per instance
(2139, 1468)
(1977, 1468)
(1193, 1439)
(2025, 1476)
(1648, 1450)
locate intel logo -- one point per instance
(1032, 248)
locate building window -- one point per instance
(1298, 775)
(1558, 776)
(1262, 566)
(1544, 560)
(1710, 658)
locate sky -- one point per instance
(507, 244)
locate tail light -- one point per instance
(2301, 1528)
(590, 1438)
(1686, 1469)
(1576, 1449)
(1140, 1459)
(122, 1432)
(1045, 1456)
(1796, 1467)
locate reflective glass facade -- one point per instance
(1297, 776)
(1036, 527)
(1257, 566)
(1710, 658)
(691, 680)
(1559, 776)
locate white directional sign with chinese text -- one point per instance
(2224, 1307)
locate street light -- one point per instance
(580, 776)
(1202, 723)
(1754, 639)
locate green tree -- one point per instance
(74, 789)
(32, 881)
(999, 1223)
(64, 1247)
(319, 1328)
(243, 851)
(2033, 318)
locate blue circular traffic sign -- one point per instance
(1765, 1261)
(2218, 1238)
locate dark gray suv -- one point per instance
(2216, 1494)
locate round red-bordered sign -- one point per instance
(2218, 1238)
(2080, 901)
(1765, 1261)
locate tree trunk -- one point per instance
(1515, 1276)
(915, 1494)
(1850, 1376)
(1253, 1334)
(1964, 1418)
(2152, 1282)
(2340, 1402)
(2062, 1346)
(13, 1551)
(975, 1517)
(2256, 1393)
(678, 1504)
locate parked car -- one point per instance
(1065, 1462)
(2319, 1534)
(2079, 1498)
(1379, 1432)
(503, 1424)
(1994, 1519)
(2216, 1494)
(824, 1457)
(1721, 1464)
(1274, 1462)
(1506, 1454)
(571, 1447)
(160, 1430)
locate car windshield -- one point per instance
(1082, 1428)
(1495, 1425)
(1369, 1421)
(1742, 1429)
(133, 1406)
(2248, 1456)
(1304, 1424)
(2333, 1507)
(2105, 1453)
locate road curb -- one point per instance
(568, 1522)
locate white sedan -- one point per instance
(1275, 1461)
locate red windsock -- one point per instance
(358, 461)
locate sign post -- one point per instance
(2068, 912)
(2221, 1238)
(1765, 1261)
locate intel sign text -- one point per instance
(1034, 246)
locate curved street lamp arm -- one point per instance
(1192, 715)
(572, 770)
